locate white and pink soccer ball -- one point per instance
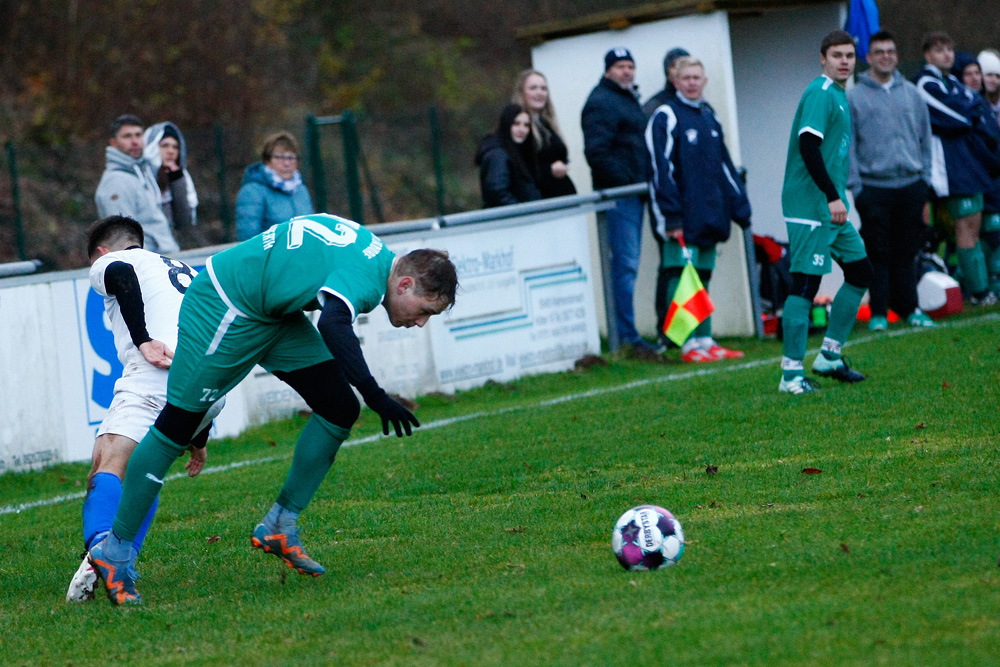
(647, 538)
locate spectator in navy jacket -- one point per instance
(958, 175)
(695, 190)
(613, 143)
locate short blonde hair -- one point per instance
(682, 63)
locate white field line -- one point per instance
(441, 423)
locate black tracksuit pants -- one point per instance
(893, 230)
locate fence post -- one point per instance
(16, 197)
(436, 152)
(352, 148)
(316, 163)
(225, 212)
(604, 250)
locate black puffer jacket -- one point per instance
(613, 136)
(501, 179)
(553, 150)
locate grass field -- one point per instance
(484, 538)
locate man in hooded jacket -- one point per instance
(128, 186)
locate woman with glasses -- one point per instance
(272, 190)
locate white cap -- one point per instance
(989, 62)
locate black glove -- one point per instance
(391, 411)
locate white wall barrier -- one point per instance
(525, 305)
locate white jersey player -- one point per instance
(142, 296)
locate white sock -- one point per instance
(690, 344)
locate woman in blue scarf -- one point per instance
(272, 190)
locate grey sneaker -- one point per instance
(798, 385)
(919, 318)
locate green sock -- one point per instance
(314, 454)
(147, 467)
(795, 324)
(844, 312)
(973, 266)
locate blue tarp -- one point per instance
(862, 23)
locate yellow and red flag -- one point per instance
(690, 307)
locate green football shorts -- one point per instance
(812, 246)
(960, 207)
(672, 255)
(216, 347)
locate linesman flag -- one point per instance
(690, 307)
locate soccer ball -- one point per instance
(647, 538)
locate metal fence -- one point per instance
(371, 167)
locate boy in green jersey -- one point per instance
(812, 201)
(245, 309)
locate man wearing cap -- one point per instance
(128, 186)
(615, 147)
(668, 92)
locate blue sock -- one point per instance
(99, 507)
(144, 528)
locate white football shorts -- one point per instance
(140, 395)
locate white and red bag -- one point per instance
(939, 295)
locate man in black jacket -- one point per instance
(613, 126)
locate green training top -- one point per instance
(823, 111)
(296, 265)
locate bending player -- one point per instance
(142, 296)
(246, 309)
(812, 201)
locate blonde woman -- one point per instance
(531, 91)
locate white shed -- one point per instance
(759, 56)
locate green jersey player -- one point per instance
(812, 201)
(245, 309)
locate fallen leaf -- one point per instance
(920, 426)
(712, 470)
(946, 385)
(845, 548)
(811, 471)
(213, 538)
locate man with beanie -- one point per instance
(890, 175)
(613, 128)
(989, 62)
(958, 175)
(128, 186)
(668, 92)
(813, 200)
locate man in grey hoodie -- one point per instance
(889, 176)
(128, 186)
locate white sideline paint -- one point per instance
(440, 423)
